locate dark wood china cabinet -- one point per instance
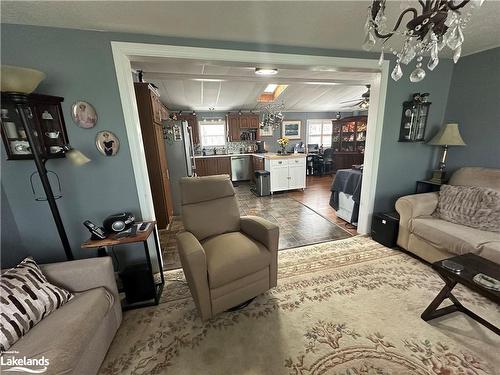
(348, 141)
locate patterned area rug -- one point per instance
(345, 307)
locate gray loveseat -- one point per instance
(76, 337)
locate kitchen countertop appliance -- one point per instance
(241, 168)
(261, 147)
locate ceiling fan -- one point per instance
(362, 103)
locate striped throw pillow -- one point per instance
(26, 297)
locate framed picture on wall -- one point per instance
(291, 129)
(266, 131)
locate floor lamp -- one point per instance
(17, 83)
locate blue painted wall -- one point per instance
(474, 104)
(79, 65)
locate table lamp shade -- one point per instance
(20, 80)
(449, 135)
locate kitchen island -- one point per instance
(288, 172)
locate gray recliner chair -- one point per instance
(227, 259)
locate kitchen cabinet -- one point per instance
(151, 113)
(242, 123)
(287, 173)
(192, 121)
(213, 165)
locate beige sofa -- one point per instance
(76, 337)
(227, 259)
(433, 239)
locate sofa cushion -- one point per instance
(26, 298)
(231, 256)
(63, 336)
(455, 238)
(476, 207)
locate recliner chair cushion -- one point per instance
(231, 256)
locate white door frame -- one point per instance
(124, 53)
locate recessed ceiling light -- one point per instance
(322, 83)
(266, 71)
(270, 88)
(208, 80)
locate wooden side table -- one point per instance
(115, 240)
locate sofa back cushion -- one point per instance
(477, 176)
(209, 206)
(26, 298)
(473, 206)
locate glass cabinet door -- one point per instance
(13, 133)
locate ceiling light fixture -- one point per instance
(439, 24)
(266, 71)
(208, 80)
(322, 83)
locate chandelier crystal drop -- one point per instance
(438, 24)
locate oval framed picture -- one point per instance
(107, 143)
(84, 114)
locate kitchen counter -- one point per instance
(267, 155)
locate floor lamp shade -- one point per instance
(21, 80)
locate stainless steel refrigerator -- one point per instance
(181, 161)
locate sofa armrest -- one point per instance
(410, 207)
(266, 233)
(84, 274)
(194, 264)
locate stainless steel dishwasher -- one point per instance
(240, 168)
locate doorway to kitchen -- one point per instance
(126, 55)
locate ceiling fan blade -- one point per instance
(349, 101)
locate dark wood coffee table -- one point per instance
(473, 265)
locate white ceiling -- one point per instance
(235, 86)
(324, 24)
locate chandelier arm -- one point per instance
(452, 5)
(398, 23)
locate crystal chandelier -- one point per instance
(272, 116)
(439, 24)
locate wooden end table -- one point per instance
(138, 237)
(473, 264)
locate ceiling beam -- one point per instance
(264, 80)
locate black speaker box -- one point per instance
(385, 228)
(137, 283)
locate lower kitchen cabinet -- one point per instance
(257, 165)
(213, 165)
(287, 173)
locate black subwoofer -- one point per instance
(385, 228)
(137, 283)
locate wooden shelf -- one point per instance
(112, 240)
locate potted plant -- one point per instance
(283, 142)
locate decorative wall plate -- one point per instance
(84, 114)
(107, 143)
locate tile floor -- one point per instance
(303, 217)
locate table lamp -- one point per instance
(449, 135)
(17, 83)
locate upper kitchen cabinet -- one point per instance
(45, 114)
(192, 121)
(244, 126)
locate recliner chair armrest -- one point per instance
(194, 264)
(410, 207)
(261, 230)
(268, 234)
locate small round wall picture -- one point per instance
(84, 114)
(107, 143)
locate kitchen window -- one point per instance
(319, 132)
(212, 132)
